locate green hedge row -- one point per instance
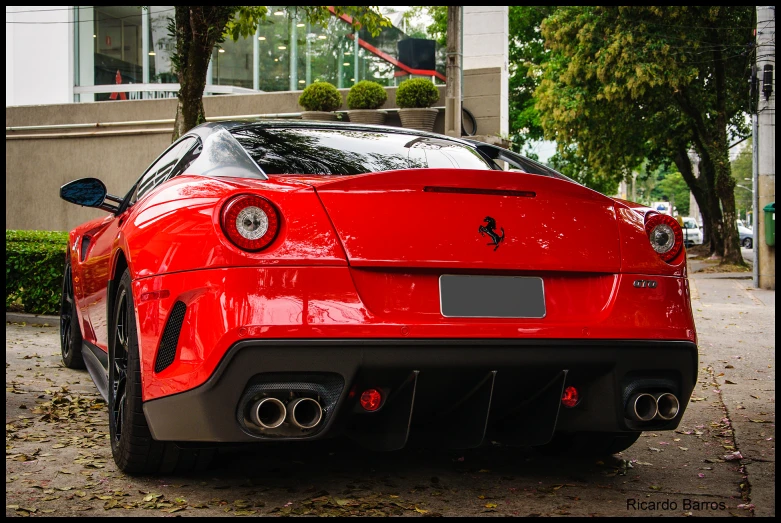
(34, 264)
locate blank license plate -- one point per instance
(468, 296)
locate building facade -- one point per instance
(59, 54)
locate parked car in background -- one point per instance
(662, 208)
(746, 235)
(692, 235)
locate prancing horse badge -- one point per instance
(490, 229)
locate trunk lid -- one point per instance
(472, 219)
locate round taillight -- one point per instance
(371, 399)
(570, 397)
(251, 222)
(665, 235)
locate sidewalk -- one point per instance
(736, 329)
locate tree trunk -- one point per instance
(716, 232)
(198, 30)
(684, 164)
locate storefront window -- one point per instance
(133, 45)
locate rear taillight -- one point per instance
(251, 222)
(665, 234)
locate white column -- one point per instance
(486, 45)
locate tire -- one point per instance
(468, 122)
(132, 445)
(748, 243)
(589, 443)
(70, 331)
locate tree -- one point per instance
(742, 171)
(629, 83)
(197, 29)
(527, 53)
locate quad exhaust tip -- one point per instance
(268, 413)
(305, 413)
(642, 407)
(667, 405)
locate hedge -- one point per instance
(34, 265)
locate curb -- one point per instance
(22, 317)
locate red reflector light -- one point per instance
(154, 295)
(570, 398)
(371, 399)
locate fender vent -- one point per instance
(167, 350)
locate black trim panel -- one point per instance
(96, 362)
(206, 413)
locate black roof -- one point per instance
(206, 129)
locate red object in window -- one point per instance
(570, 398)
(371, 399)
(121, 96)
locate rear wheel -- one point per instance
(748, 243)
(589, 443)
(132, 445)
(70, 332)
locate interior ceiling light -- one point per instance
(282, 47)
(279, 13)
(276, 59)
(322, 37)
(222, 50)
(300, 25)
(347, 63)
(261, 38)
(302, 81)
(94, 36)
(151, 53)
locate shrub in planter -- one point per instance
(319, 100)
(34, 263)
(364, 99)
(414, 98)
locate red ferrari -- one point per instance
(281, 281)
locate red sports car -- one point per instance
(289, 281)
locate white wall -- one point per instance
(38, 56)
(486, 41)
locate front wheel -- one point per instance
(588, 443)
(70, 332)
(132, 445)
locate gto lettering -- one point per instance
(651, 284)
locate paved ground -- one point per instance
(720, 461)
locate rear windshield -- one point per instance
(348, 151)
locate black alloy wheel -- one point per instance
(70, 332)
(748, 243)
(132, 445)
(118, 367)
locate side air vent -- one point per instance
(167, 350)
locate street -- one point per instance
(720, 461)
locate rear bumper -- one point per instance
(454, 392)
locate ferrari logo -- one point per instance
(490, 229)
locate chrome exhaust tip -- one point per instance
(641, 407)
(667, 406)
(268, 413)
(305, 413)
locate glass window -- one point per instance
(163, 168)
(346, 151)
(161, 45)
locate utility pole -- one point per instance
(765, 175)
(454, 59)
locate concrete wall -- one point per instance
(38, 67)
(37, 167)
(486, 59)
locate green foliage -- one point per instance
(366, 95)
(416, 93)
(320, 96)
(34, 263)
(527, 53)
(743, 173)
(672, 188)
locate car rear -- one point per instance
(397, 287)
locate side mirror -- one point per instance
(89, 192)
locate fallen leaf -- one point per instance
(422, 511)
(490, 505)
(655, 487)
